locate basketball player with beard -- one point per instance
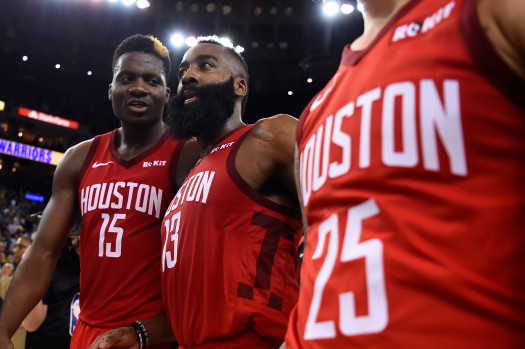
(230, 235)
(121, 183)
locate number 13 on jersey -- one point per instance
(372, 251)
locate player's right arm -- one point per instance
(33, 275)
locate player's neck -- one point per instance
(133, 141)
(207, 142)
(376, 14)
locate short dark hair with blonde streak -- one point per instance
(146, 44)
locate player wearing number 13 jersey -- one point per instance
(230, 235)
(411, 172)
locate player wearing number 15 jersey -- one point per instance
(121, 183)
(230, 261)
(411, 173)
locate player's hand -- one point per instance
(122, 337)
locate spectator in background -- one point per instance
(50, 324)
(120, 246)
(21, 246)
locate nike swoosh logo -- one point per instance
(97, 164)
(320, 98)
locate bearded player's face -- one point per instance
(205, 95)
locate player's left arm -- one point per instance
(276, 136)
(158, 331)
(503, 22)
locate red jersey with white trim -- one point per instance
(230, 259)
(412, 163)
(122, 203)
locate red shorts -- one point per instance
(84, 335)
(244, 340)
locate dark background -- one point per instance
(294, 42)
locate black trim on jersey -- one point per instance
(487, 58)
(246, 188)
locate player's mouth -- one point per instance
(138, 106)
(189, 96)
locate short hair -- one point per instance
(146, 44)
(241, 63)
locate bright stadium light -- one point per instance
(331, 8)
(239, 49)
(142, 4)
(57, 66)
(177, 40)
(347, 9)
(359, 7)
(190, 41)
(128, 2)
(25, 58)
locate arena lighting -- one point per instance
(347, 9)
(290, 93)
(113, 0)
(239, 49)
(90, 73)
(142, 4)
(330, 8)
(57, 66)
(34, 197)
(50, 119)
(30, 152)
(177, 40)
(25, 58)
(309, 80)
(210, 7)
(128, 2)
(359, 7)
(2, 105)
(190, 41)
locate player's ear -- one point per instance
(241, 88)
(168, 93)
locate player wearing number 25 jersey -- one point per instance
(229, 262)
(412, 162)
(122, 203)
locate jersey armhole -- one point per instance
(486, 58)
(247, 189)
(89, 157)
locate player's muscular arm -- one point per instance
(267, 155)
(158, 328)
(33, 275)
(503, 22)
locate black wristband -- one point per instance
(141, 332)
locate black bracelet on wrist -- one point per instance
(141, 332)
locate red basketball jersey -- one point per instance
(122, 203)
(411, 167)
(230, 259)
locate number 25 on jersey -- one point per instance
(372, 251)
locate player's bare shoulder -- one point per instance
(73, 159)
(276, 128)
(503, 24)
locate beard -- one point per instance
(206, 115)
